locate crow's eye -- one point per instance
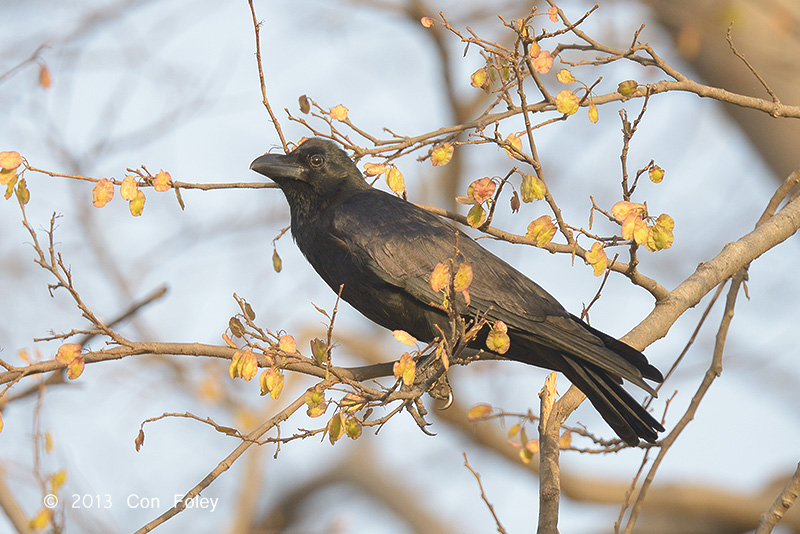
(316, 161)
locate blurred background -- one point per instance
(173, 85)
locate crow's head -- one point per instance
(316, 168)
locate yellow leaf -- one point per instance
(463, 277)
(515, 141)
(442, 154)
(136, 206)
(8, 177)
(102, 193)
(339, 113)
(129, 188)
(479, 412)
(565, 440)
(233, 368)
(497, 340)
(405, 368)
(479, 78)
(1, 422)
(248, 365)
(476, 216)
(352, 428)
(541, 231)
(514, 430)
(404, 337)
(656, 174)
(565, 76)
(395, 180)
(40, 520)
(277, 264)
(335, 427)
(315, 400)
(532, 188)
(162, 181)
(627, 88)
(567, 102)
(23, 195)
(57, 480)
(593, 115)
(319, 349)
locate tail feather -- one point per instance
(621, 411)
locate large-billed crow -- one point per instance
(384, 249)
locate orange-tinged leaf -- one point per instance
(136, 206)
(335, 427)
(404, 337)
(515, 141)
(532, 446)
(128, 188)
(1, 422)
(139, 441)
(634, 227)
(553, 13)
(627, 88)
(426, 22)
(656, 174)
(440, 277)
(271, 381)
(565, 440)
(622, 209)
(567, 102)
(479, 78)
(463, 277)
(287, 344)
(665, 221)
(68, 352)
(479, 412)
(75, 367)
(374, 169)
(532, 188)
(541, 231)
(596, 257)
(44, 76)
(481, 190)
(442, 154)
(405, 368)
(352, 403)
(476, 215)
(102, 193)
(565, 76)
(339, 113)
(41, 520)
(534, 49)
(593, 115)
(352, 428)
(543, 62)
(226, 338)
(395, 180)
(162, 181)
(10, 160)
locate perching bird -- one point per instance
(383, 249)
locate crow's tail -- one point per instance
(621, 411)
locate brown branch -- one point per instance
(483, 496)
(782, 503)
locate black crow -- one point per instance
(383, 249)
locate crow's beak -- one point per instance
(277, 166)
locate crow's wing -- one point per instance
(402, 244)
